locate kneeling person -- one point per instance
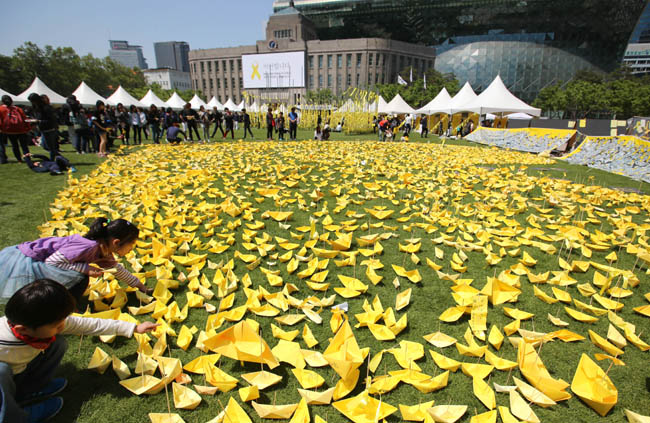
(172, 134)
(30, 351)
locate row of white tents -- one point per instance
(88, 98)
(496, 99)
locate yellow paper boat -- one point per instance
(233, 413)
(433, 384)
(415, 413)
(532, 394)
(249, 393)
(308, 379)
(217, 377)
(487, 417)
(440, 340)
(120, 368)
(144, 384)
(317, 398)
(364, 409)
(447, 413)
(604, 344)
(198, 364)
(184, 397)
(445, 363)
(280, 412)
(241, 342)
(262, 379)
(592, 385)
(633, 417)
(484, 393)
(521, 409)
(343, 353)
(533, 369)
(206, 390)
(100, 361)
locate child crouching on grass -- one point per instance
(68, 260)
(30, 350)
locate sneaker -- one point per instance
(73, 169)
(54, 387)
(44, 410)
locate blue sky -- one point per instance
(87, 26)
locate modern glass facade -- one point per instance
(172, 55)
(641, 33)
(530, 43)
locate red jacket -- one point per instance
(6, 125)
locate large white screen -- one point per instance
(274, 70)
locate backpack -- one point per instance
(14, 123)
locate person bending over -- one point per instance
(172, 134)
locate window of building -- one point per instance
(320, 62)
(239, 64)
(359, 55)
(311, 81)
(329, 61)
(348, 60)
(370, 59)
(232, 82)
(320, 81)
(338, 81)
(232, 65)
(225, 83)
(349, 80)
(211, 84)
(329, 81)
(339, 61)
(283, 33)
(216, 66)
(224, 66)
(358, 79)
(376, 78)
(209, 66)
(369, 78)
(202, 70)
(311, 62)
(194, 66)
(203, 84)
(218, 83)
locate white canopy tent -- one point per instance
(440, 104)
(230, 105)
(151, 98)
(253, 108)
(86, 96)
(497, 99)
(381, 105)
(214, 103)
(464, 96)
(39, 87)
(17, 100)
(399, 106)
(241, 106)
(196, 102)
(176, 102)
(122, 96)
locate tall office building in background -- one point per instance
(637, 53)
(172, 55)
(128, 55)
(531, 44)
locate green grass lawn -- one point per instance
(459, 181)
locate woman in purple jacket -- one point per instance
(67, 259)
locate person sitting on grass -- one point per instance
(56, 167)
(30, 351)
(172, 134)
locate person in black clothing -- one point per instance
(216, 118)
(279, 123)
(270, 122)
(229, 122)
(425, 126)
(246, 119)
(47, 122)
(191, 117)
(293, 124)
(123, 123)
(56, 167)
(153, 117)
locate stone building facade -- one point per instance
(329, 64)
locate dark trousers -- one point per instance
(125, 128)
(217, 125)
(18, 142)
(137, 134)
(293, 130)
(248, 128)
(231, 130)
(51, 139)
(34, 378)
(269, 132)
(425, 132)
(192, 126)
(3, 154)
(155, 133)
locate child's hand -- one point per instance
(146, 327)
(94, 272)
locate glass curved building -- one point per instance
(530, 43)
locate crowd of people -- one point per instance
(96, 130)
(388, 126)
